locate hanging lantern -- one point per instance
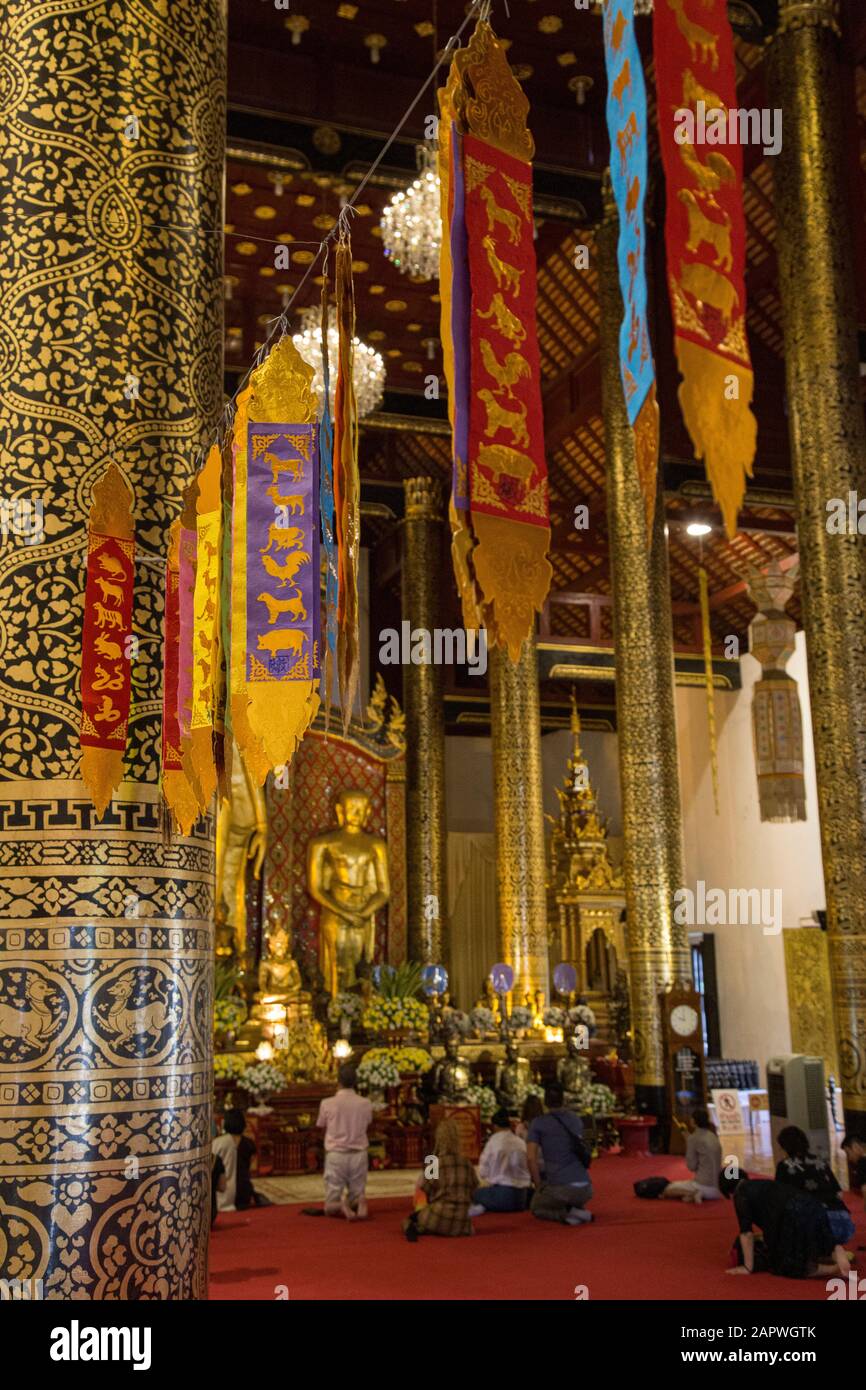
(777, 725)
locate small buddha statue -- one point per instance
(512, 1078)
(452, 1075)
(225, 937)
(572, 1072)
(279, 976)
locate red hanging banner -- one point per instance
(701, 133)
(107, 639)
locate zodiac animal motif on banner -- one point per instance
(499, 507)
(627, 124)
(108, 647)
(705, 239)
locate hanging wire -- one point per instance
(341, 226)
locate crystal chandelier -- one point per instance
(368, 367)
(411, 225)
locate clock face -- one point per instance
(684, 1020)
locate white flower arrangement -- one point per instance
(456, 1021)
(378, 1070)
(483, 1020)
(553, 1017)
(521, 1017)
(602, 1100)
(262, 1080)
(484, 1097)
(345, 1005)
(582, 1013)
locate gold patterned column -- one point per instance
(828, 459)
(652, 818)
(110, 347)
(424, 707)
(518, 810)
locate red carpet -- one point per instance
(633, 1250)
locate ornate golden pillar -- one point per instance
(515, 727)
(828, 460)
(110, 347)
(424, 706)
(651, 814)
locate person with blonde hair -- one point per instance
(448, 1181)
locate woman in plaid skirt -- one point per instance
(449, 1195)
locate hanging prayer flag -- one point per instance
(454, 294)
(186, 642)
(347, 487)
(275, 596)
(326, 507)
(507, 473)
(107, 639)
(705, 238)
(627, 126)
(245, 740)
(176, 790)
(205, 619)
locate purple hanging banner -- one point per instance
(283, 639)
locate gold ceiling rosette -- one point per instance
(499, 504)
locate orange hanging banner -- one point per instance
(176, 790)
(108, 646)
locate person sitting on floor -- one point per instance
(854, 1148)
(504, 1170)
(809, 1173)
(236, 1149)
(217, 1185)
(345, 1118)
(797, 1240)
(557, 1137)
(703, 1158)
(448, 1193)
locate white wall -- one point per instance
(736, 849)
(732, 850)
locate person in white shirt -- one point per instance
(345, 1118)
(504, 1171)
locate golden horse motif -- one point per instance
(495, 213)
(509, 326)
(500, 418)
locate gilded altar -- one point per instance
(586, 894)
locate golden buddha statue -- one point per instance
(452, 1075)
(513, 1076)
(347, 875)
(279, 976)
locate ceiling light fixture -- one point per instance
(368, 371)
(411, 223)
(698, 528)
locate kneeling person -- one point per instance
(345, 1118)
(557, 1138)
(504, 1170)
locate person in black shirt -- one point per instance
(797, 1240)
(854, 1148)
(809, 1173)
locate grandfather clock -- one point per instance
(685, 1074)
